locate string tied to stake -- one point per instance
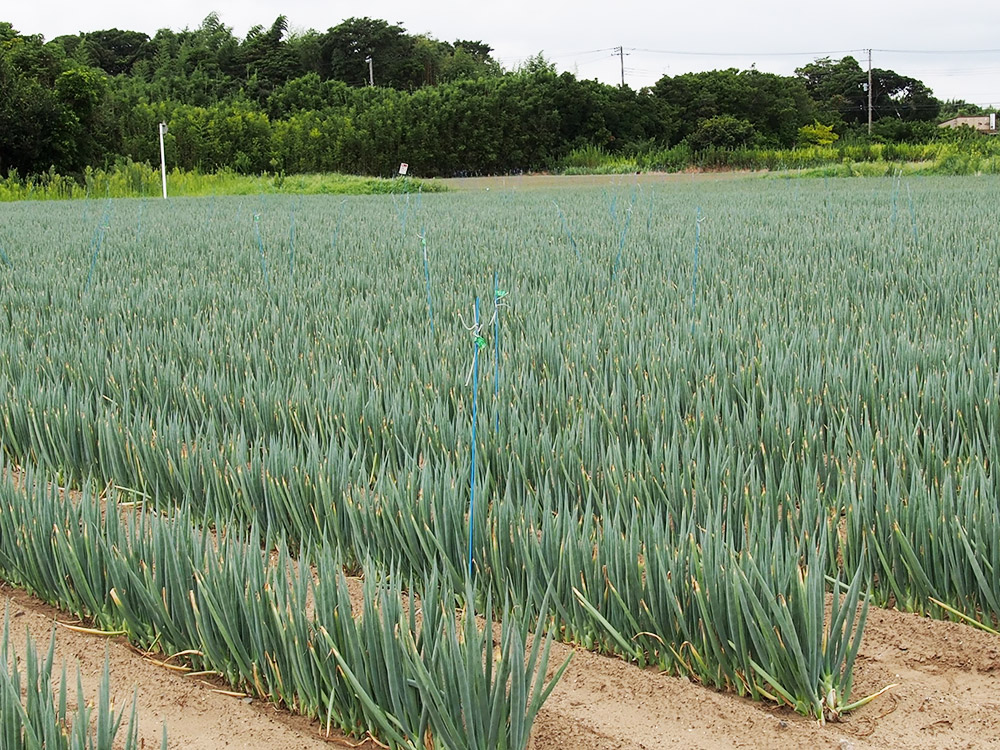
(476, 329)
(478, 341)
(427, 276)
(499, 300)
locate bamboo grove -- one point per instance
(702, 447)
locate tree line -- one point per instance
(278, 100)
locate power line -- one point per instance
(938, 51)
(591, 61)
(944, 71)
(588, 52)
(702, 53)
(743, 54)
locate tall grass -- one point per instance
(130, 179)
(976, 156)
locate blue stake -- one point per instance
(829, 205)
(138, 228)
(97, 241)
(336, 231)
(291, 247)
(476, 345)
(569, 234)
(913, 217)
(694, 274)
(497, 295)
(895, 193)
(427, 276)
(406, 213)
(86, 204)
(403, 215)
(621, 239)
(260, 244)
(211, 212)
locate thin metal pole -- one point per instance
(163, 159)
(869, 91)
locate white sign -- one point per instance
(403, 166)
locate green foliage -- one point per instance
(960, 108)
(722, 132)
(114, 51)
(896, 131)
(840, 89)
(536, 64)
(948, 152)
(298, 102)
(817, 134)
(345, 50)
(902, 97)
(594, 160)
(34, 127)
(81, 92)
(774, 106)
(129, 179)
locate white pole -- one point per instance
(371, 72)
(163, 159)
(869, 92)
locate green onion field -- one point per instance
(705, 427)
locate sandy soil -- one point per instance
(948, 697)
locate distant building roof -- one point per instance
(981, 123)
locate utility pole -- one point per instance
(620, 51)
(869, 91)
(371, 74)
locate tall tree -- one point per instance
(469, 60)
(115, 51)
(81, 92)
(268, 59)
(775, 106)
(33, 123)
(345, 48)
(840, 90)
(902, 97)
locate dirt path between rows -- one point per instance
(948, 697)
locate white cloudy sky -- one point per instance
(951, 46)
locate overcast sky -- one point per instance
(951, 46)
